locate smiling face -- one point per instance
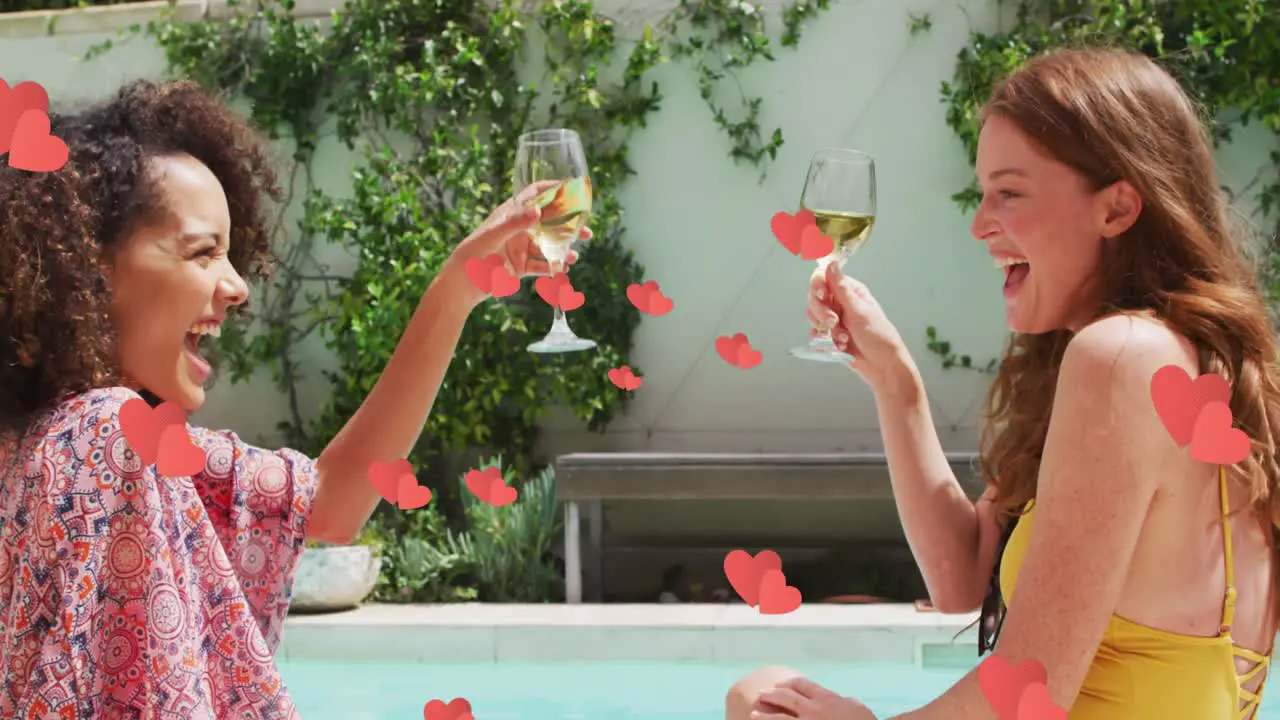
(1046, 228)
(172, 283)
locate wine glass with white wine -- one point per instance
(840, 191)
(556, 155)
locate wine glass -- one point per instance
(556, 155)
(840, 191)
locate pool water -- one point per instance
(582, 691)
(576, 691)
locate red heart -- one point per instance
(744, 572)
(813, 244)
(142, 425)
(748, 357)
(640, 296)
(660, 304)
(14, 103)
(411, 494)
(1034, 704)
(1002, 683)
(386, 477)
(33, 149)
(480, 481)
(787, 228)
(1179, 400)
(177, 456)
(570, 299)
(728, 347)
(776, 596)
(1214, 441)
(548, 287)
(623, 378)
(457, 709)
(503, 283)
(480, 270)
(500, 493)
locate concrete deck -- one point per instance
(474, 632)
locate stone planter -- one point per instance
(334, 578)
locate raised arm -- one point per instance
(954, 542)
(388, 423)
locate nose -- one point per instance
(983, 228)
(232, 289)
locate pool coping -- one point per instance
(486, 632)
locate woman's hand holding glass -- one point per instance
(858, 326)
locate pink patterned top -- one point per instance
(127, 595)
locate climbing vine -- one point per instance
(1226, 53)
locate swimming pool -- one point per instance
(584, 691)
(576, 691)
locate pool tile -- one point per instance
(389, 643)
(623, 643)
(814, 645)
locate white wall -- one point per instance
(700, 226)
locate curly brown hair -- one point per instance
(59, 229)
(1115, 115)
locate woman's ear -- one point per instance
(1120, 206)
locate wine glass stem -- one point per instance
(559, 324)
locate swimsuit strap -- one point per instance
(1229, 602)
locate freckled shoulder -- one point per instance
(1113, 360)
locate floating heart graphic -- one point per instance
(776, 596)
(1002, 683)
(489, 486)
(623, 378)
(410, 495)
(648, 298)
(557, 291)
(142, 426)
(33, 148)
(501, 494)
(457, 709)
(177, 455)
(386, 476)
(744, 572)
(1179, 399)
(737, 351)
(1035, 704)
(814, 245)
(787, 228)
(479, 481)
(489, 274)
(1214, 441)
(480, 270)
(504, 284)
(14, 103)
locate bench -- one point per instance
(585, 481)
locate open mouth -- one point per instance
(1016, 270)
(198, 339)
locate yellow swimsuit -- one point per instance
(1142, 673)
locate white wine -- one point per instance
(565, 209)
(848, 231)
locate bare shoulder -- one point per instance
(1107, 371)
(1127, 348)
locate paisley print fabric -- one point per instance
(124, 595)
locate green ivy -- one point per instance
(1226, 53)
(430, 94)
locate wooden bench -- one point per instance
(585, 481)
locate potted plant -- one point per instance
(331, 578)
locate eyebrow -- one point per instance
(193, 237)
(1006, 171)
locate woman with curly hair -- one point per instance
(1142, 580)
(124, 594)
